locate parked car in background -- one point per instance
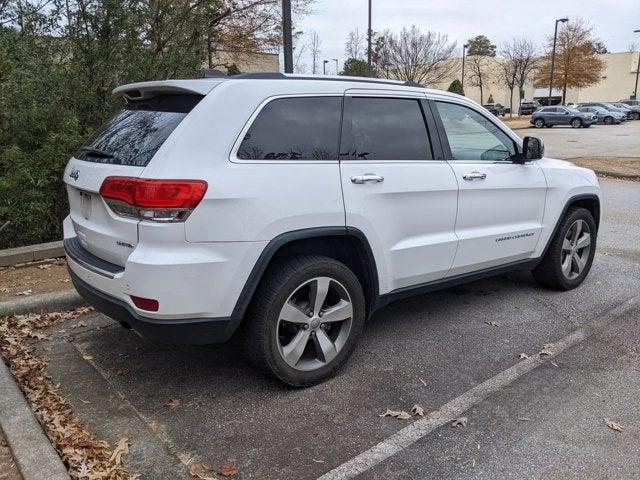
(604, 116)
(527, 108)
(631, 102)
(635, 109)
(495, 108)
(558, 115)
(610, 107)
(571, 105)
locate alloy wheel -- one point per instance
(575, 123)
(576, 248)
(314, 323)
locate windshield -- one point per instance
(573, 110)
(133, 135)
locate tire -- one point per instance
(551, 271)
(636, 115)
(608, 120)
(287, 290)
(576, 123)
(538, 123)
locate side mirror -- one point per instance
(532, 148)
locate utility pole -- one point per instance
(464, 50)
(553, 56)
(635, 90)
(369, 35)
(336, 60)
(287, 40)
(324, 66)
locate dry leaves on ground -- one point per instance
(523, 356)
(228, 470)
(460, 422)
(613, 425)
(547, 349)
(173, 403)
(399, 414)
(85, 457)
(492, 323)
(201, 472)
(417, 410)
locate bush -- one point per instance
(456, 87)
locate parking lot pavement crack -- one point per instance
(454, 408)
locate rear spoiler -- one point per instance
(144, 90)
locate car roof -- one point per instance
(333, 83)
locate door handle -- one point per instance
(474, 176)
(367, 178)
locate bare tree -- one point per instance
(355, 44)
(516, 66)
(478, 74)
(414, 56)
(632, 47)
(527, 62)
(314, 45)
(298, 65)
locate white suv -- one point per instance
(294, 207)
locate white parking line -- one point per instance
(453, 409)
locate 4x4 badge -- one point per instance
(74, 174)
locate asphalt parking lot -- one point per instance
(597, 140)
(438, 351)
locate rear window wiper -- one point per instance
(95, 152)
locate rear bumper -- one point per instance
(198, 331)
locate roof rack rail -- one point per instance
(282, 76)
(213, 73)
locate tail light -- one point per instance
(156, 200)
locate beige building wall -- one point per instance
(248, 62)
(617, 83)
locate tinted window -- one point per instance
(472, 136)
(384, 129)
(133, 135)
(305, 128)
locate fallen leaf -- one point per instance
(492, 323)
(417, 410)
(423, 382)
(38, 335)
(121, 449)
(554, 364)
(228, 470)
(25, 293)
(459, 422)
(44, 267)
(87, 357)
(523, 356)
(613, 425)
(317, 460)
(202, 472)
(399, 414)
(85, 401)
(173, 403)
(524, 419)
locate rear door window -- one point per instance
(133, 135)
(297, 128)
(384, 129)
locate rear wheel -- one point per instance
(538, 123)
(305, 319)
(608, 120)
(576, 123)
(570, 254)
(636, 115)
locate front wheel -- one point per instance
(570, 254)
(539, 123)
(576, 123)
(608, 120)
(305, 319)
(636, 115)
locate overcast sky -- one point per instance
(500, 20)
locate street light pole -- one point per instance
(287, 40)
(635, 90)
(369, 40)
(336, 60)
(324, 66)
(553, 56)
(464, 50)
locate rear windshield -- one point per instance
(133, 135)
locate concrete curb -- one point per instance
(620, 176)
(30, 253)
(34, 455)
(43, 302)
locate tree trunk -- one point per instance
(511, 102)
(481, 96)
(564, 93)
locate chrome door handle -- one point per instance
(474, 176)
(367, 178)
